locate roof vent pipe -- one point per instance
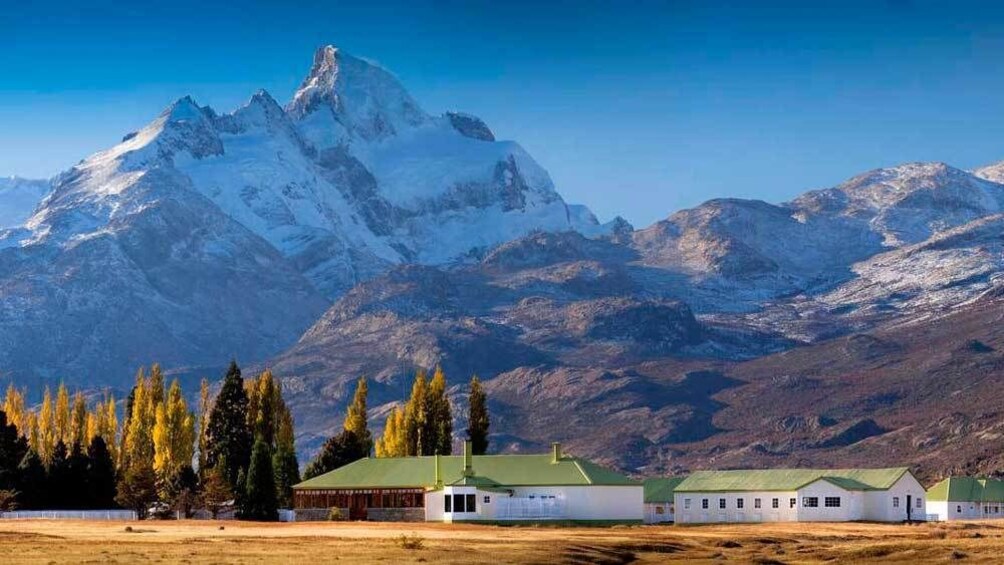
(468, 459)
(555, 452)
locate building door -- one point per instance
(357, 507)
(909, 508)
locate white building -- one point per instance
(659, 505)
(475, 488)
(966, 498)
(800, 495)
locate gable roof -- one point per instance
(496, 470)
(789, 479)
(967, 489)
(660, 489)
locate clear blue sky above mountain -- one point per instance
(636, 108)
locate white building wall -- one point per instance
(891, 505)
(965, 510)
(614, 503)
(851, 503)
(659, 512)
(696, 514)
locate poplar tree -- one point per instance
(478, 421)
(204, 408)
(392, 444)
(138, 437)
(45, 442)
(174, 434)
(62, 414)
(156, 385)
(228, 437)
(78, 420)
(262, 407)
(416, 417)
(13, 405)
(355, 418)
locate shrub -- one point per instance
(412, 542)
(335, 514)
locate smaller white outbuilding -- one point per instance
(660, 508)
(966, 498)
(799, 495)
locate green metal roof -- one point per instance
(789, 479)
(661, 489)
(967, 489)
(499, 470)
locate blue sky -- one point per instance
(636, 108)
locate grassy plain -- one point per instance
(199, 542)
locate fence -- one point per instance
(69, 515)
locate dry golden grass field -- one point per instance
(293, 544)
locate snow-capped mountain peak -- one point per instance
(365, 99)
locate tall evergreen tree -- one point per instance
(32, 492)
(75, 477)
(228, 437)
(59, 491)
(259, 500)
(478, 421)
(439, 417)
(137, 489)
(287, 473)
(338, 451)
(13, 447)
(100, 475)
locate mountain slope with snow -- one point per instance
(206, 235)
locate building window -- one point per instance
(488, 499)
(810, 501)
(472, 503)
(920, 503)
(739, 503)
(792, 502)
(459, 501)
(895, 502)
(704, 503)
(448, 503)
(774, 503)
(686, 503)
(721, 503)
(831, 502)
(958, 509)
(660, 510)
(756, 503)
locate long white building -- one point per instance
(476, 488)
(799, 495)
(966, 498)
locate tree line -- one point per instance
(238, 446)
(422, 425)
